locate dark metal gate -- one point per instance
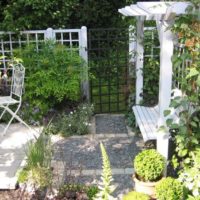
(108, 65)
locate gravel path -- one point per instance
(78, 159)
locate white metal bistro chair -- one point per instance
(17, 84)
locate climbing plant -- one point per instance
(187, 137)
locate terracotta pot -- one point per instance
(145, 187)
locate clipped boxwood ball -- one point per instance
(135, 196)
(169, 189)
(149, 165)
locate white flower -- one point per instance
(198, 184)
(190, 186)
(70, 125)
(195, 192)
(71, 112)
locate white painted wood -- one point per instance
(138, 10)
(165, 84)
(146, 119)
(49, 34)
(165, 80)
(154, 7)
(132, 47)
(122, 12)
(155, 10)
(84, 54)
(139, 59)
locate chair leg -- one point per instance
(2, 114)
(13, 116)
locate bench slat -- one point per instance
(146, 118)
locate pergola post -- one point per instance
(139, 59)
(165, 84)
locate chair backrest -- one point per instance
(18, 80)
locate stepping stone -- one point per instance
(12, 153)
(110, 124)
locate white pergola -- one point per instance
(149, 119)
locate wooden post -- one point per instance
(165, 84)
(84, 54)
(132, 47)
(49, 34)
(139, 59)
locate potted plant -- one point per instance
(149, 166)
(136, 196)
(169, 189)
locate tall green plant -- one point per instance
(39, 153)
(37, 171)
(105, 187)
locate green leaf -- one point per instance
(169, 122)
(198, 80)
(192, 72)
(167, 112)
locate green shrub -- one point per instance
(53, 74)
(40, 176)
(135, 196)
(149, 165)
(74, 123)
(23, 175)
(169, 189)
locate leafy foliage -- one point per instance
(186, 130)
(149, 165)
(53, 74)
(193, 198)
(136, 196)
(151, 77)
(169, 189)
(105, 186)
(91, 191)
(151, 66)
(32, 14)
(77, 122)
(190, 175)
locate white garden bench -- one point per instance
(147, 118)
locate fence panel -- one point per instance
(71, 38)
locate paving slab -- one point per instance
(12, 153)
(110, 124)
